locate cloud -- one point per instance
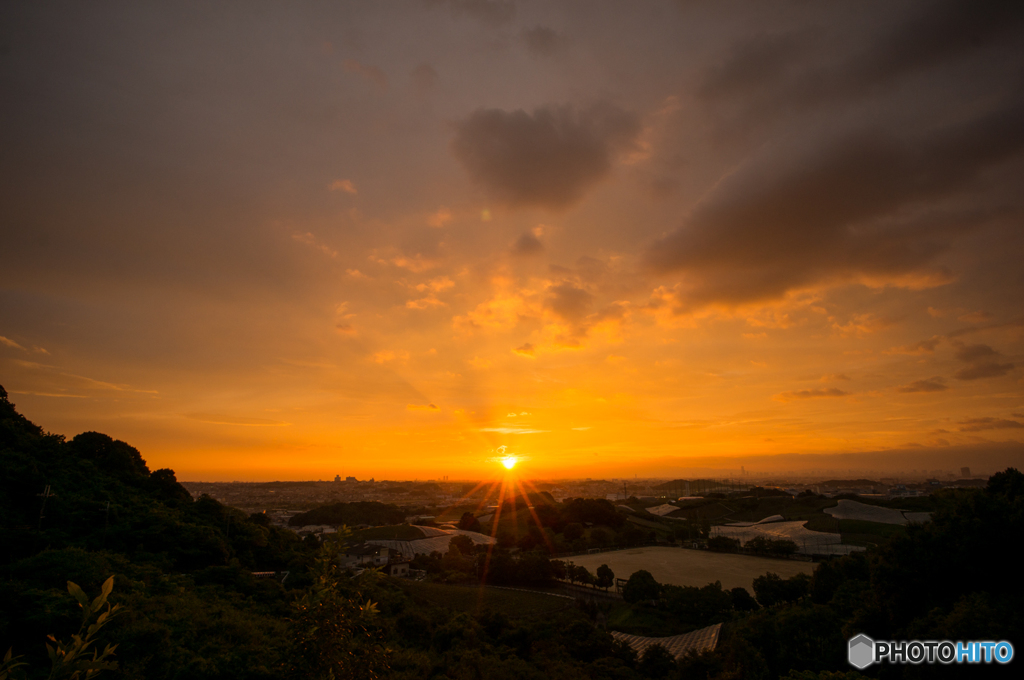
(217, 419)
(343, 185)
(527, 244)
(310, 240)
(860, 325)
(983, 362)
(860, 206)
(545, 159)
(423, 407)
(511, 430)
(569, 301)
(371, 73)
(478, 363)
(11, 343)
(981, 424)
(387, 355)
(424, 80)
(436, 285)
(440, 218)
(921, 347)
(774, 65)
(931, 385)
(810, 394)
(425, 303)
(542, 41)
(525, 350)
(493, 13)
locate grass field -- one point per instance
(398, 532)
(692, 567)
(474, 599)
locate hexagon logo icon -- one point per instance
(861, 652)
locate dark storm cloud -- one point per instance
(982, 362)
(930, 385)
(840, 208)
(929, 35)
(527, 244)
(548, 158)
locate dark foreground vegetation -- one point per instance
(189, 606)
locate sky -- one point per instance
(263, 240)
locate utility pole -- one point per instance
(42, 511)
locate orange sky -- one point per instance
(261, 242)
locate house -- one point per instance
(399, 568)
(366, 555)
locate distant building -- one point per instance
(965, 472)
(351, 479)
(337, 478)
(366, 555)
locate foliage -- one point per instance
(333, 632)
(71, 659)
(640, 587)
(469, 522)
(771, 589)
(605, 577)
(359, 512)
(723, 544)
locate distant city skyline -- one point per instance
(281, 241)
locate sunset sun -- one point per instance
(509, 462)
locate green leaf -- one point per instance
(78, 594)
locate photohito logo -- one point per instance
(863, 651)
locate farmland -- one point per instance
(693, 567)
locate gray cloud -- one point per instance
(490, 12)
(527, 244)
(927, 36)
(930, 385)
(542, 41)
(548, 158)
(982, 362)
(837, 209)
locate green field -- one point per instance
(397, 532)
(474, 599)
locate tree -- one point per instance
(723, 544)
(605, 577)
(770, 589)
(640, 587)
(573, 531)
(742, 601)
(582, 575)
(464, 544)
(469, 522)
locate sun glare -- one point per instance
(509, 462)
